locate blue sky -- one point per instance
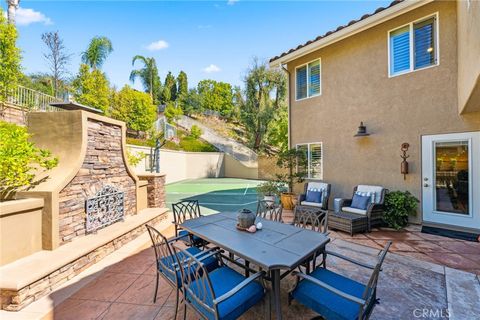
(207, 39)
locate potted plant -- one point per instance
(398, 206)
(270, 191)
(293, 162)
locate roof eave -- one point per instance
(355, 28)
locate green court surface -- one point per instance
(215, 194)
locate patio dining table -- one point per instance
(277, 246)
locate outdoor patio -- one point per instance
(407, 287)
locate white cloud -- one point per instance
(157, 45)
(211, 69)
(232, 2)
(24, 17)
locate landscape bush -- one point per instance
(398, 206)
(20, 160)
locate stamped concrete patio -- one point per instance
(410, 287)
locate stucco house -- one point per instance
(411, 73)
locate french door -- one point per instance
(451, 179)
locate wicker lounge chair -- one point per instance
(323, 187)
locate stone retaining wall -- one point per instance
(103, 164)
(16, 300)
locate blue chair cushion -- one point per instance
(211, 263)
(185, 237)
(360, 202)
(223, 280)
(314, 196)
(328, 304)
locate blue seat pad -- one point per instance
(185, 237)
(223, 280)
(328, 304)
(210, 263)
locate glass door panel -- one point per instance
(452, 179)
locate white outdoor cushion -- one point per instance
(377, 190)
(312, 204)
(354, 210)
(317, 186)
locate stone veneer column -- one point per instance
(155, 189)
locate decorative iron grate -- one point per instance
(105, 208)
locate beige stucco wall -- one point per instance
(468, 30)
(180, 165)
(20, 229)
(356, 87)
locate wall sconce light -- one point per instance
(362, 131)
(404, 164)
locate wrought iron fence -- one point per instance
(32, 100)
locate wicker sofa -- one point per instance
(354, 220)
(322, 186)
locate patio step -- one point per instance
(33, 277)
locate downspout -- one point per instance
(289, 103)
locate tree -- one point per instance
(182, 84)
(148, 75)
(10, 58)
(41, 82)
(12, 7)
(57, 58)
(265, 92)
(169, 92)
(217, 96)
(133, 107)
(97, 52)
(172, 112)
(191, 103)
(91, 88)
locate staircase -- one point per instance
(240, 152)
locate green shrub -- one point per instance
(195, 131)
(398, 206)
(20, 160)
(135, 158)
(270, 188)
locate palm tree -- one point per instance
(148, 75)
(97, 51)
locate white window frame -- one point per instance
(308, 79)
(309, 158)
(410, 27)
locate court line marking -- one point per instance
(221, 204)
(246, 189)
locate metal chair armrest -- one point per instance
(330, 288)
(302, 197)
(362, 264)
(175, 238)
(238, 287)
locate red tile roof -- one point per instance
(365, 16)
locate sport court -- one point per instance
(216, 194)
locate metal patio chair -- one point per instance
(167, 263)
(220, 294)
(184, 210)
(270, 211)
(334, 296)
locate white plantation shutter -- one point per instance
(400, 50)
(313, 152)
(315, 161)
(424, 43)
(301, 77)
(314, 78)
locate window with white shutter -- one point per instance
(314, 155)
(413, 47)
(308, 80)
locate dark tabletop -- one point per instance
(276, 246)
